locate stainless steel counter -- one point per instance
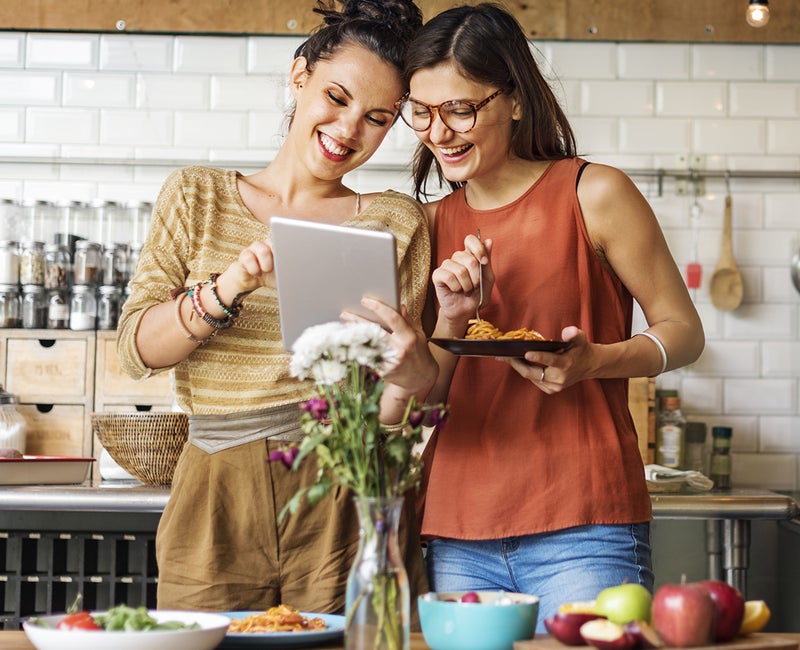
(729, 513)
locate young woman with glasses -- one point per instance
(536, 484)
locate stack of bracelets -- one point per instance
(193, 293)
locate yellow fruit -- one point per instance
(578, 607)
(756, 616)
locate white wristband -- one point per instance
(660, 347)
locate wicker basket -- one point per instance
(146, 445)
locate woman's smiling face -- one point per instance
(345, 108)
(481, 151)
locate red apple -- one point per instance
(644, 634)
(729, 606)
(683, 615)
(606, 635)
(566, 626)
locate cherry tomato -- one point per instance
(78, 621)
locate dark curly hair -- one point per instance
(487, 44)
(384, 27)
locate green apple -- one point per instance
(625, 603)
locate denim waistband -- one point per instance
(213, 433)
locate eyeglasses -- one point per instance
(456, 115)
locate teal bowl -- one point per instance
(499, 619)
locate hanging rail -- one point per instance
(696, 176)
(692, 175)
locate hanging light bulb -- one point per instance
(757, 13)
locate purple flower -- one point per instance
(416, 417)
(438, 416)
(318, 407)
(285, 456)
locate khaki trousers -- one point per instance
(219, 546)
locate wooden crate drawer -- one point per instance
(113, 383)
(51, 368)
(56, 430)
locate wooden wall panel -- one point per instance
(607, 20)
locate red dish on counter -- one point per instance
(44, 470)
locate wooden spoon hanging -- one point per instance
(726, 282)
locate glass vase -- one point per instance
(378, 599)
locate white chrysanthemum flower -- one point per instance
(322, 351)
(328, 371)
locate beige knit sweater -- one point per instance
(199, 227)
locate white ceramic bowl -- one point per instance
(212, 631)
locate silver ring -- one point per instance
(541, 379)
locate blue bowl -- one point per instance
(499, 619)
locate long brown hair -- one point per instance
(384, 27)
(488, 45)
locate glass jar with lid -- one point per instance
(137, 219)
(82, 308)
(13, 426)
(40, 220)
(9, 262)
(34, 306)
(58, 309)
(86, 266)
(11, 219)
(108, 302)
(105, 220)
(9, 305)
(113, 265)
(56, 266)
(31, 262)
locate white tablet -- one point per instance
(322, 270)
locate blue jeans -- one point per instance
(559, 567)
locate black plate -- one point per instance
(502, 348)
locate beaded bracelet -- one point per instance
(179, 319)
(216, 323)
(230, 312)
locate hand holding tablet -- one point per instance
(322, 270)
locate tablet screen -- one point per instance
(322, 270)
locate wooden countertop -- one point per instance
(12, 640)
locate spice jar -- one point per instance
(86, 267)
(82, 308)
(13, 426)
(34, 306)
(670, 434)
(720, 471)
(113, 266)
(31, 262)
(56, 266)
(58, 309)
(9, 262)
(108, 302)
(9, 305)
(695, 457)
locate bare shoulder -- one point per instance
(601, 185)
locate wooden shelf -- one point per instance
(698, 21)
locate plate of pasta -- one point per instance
(485, 340)
(282, 626)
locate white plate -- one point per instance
(211, 632)
(335, 631)
(43, 470)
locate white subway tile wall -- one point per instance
(121, 98)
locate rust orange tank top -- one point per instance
(512, 460)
